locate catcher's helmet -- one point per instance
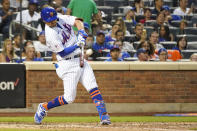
(48, 14)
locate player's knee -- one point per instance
(69, 99)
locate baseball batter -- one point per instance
(61, 39)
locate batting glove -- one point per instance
(82, 33)
(80, 43)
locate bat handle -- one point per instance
(82, 57)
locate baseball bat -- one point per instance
(82, 57)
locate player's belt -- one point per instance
(75, 56)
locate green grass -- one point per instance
(96, 119)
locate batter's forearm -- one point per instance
(79, 24)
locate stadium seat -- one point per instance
(191, 30)
(168, 2)
(168, 44)
(132, 52)
(115, 16)
(129, 26)
(188, 53)
(131, 59)
(43, 2)
(121, 9)
(187, 17)
(174, 30)
(115, 4)
(149, 30)
(102, 58)
(150, 23)
(106, 9)
(98, 2)
(177, 23)
(190, 38)
(148, 3)
(139, 17)
(136, 44)
(128, 38)
(174, 55)
(192, 45)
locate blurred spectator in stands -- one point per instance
(111, 37)
(164, 34)
(194, 21)
(181, 44)
(139, 7)
(168, 16)
(138, 33)
(130, 16)
(85, 9)
(15, 4)
(147, 15)
(142, 54)
(86, 27)
(123, 54)
(126, 46)
(114, 53)
(30, 17)
(163, 54)
(183, 25)
(27, 43)
(31, 54)
(57, 5)
(159, 21)
(149, 48)
(154, 39)
(7, 54)
(40, 46)
(158, 6)
(88, 47)
(6, 18)
(193, 57)
(18, 45)
(119, 21)
(89, 41)
(100, 46)
(183, 10)
(190, 2)
(97, 22)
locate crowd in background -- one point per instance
(139, 33)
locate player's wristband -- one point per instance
(83, 33)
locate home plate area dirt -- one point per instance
(116, 126)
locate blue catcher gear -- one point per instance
(48, 14)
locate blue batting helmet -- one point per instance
(48, 14)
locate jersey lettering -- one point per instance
(66, 36)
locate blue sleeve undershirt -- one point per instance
(67, 50)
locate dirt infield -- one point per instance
(126, 126)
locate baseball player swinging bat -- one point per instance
(61, 39)
(82, 56)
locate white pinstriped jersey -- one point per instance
(61, 36)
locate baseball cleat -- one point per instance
(40, 114)
(105, 120)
